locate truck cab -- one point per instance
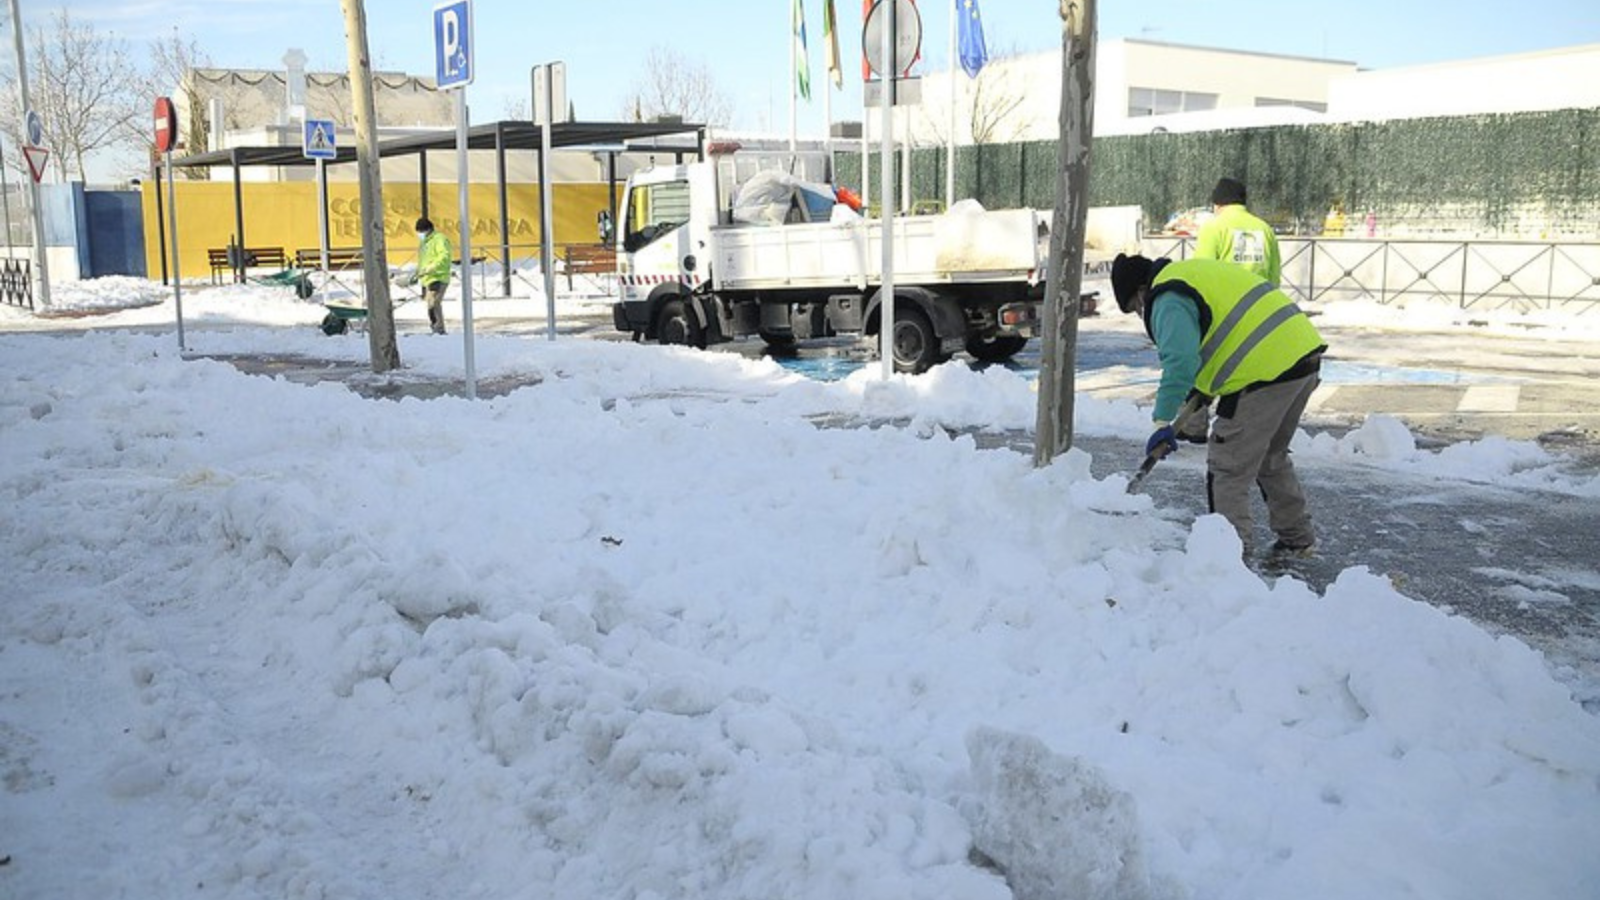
(664, 244)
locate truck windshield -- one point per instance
(655, 210)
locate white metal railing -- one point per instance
(1521, 276)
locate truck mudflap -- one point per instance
(619, 318)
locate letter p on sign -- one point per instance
(452, 44)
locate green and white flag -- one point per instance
(802, 67)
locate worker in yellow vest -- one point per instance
(433, 271)
(1233, 235)
(1230, 335)
(1236, 235)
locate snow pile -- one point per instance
(644, 630)
(110, 293)
(1386, 442)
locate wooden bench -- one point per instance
(589, 259)
(339, 258)
(222, 259)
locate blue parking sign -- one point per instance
(452, 44)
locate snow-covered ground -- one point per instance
(644, 631)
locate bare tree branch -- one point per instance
(172, 58)
(996, 95)
(673, 85)
(78, 84)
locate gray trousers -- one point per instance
(434, 295)
(1250, 444)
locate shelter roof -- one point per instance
(512, 135)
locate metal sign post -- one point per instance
(322, 144)
(33, 124)
(889, 48)
(549, 87)
(166, 125)
(452, 47)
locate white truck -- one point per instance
(693, 269)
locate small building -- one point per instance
(1143, 86)
(218, 107)
(1565, 78)
(1138, 86)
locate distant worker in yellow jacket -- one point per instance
(1235, 235)
(433, 271)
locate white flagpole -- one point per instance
(794, 75)
(827, 117)
(888, 73)
(950, 157)
(866, 145)
(866, 149)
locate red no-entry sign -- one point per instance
(166, 121)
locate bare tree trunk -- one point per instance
(1053, 429)
(374, 266)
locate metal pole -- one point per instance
(950, 155)
(322, 223)
(505, 213)
(889, 73)
(241, 262)
(827, 118)
(794, 78)
(547, 204)
(866, 154)
(466, 242)
(422, 173)
(5, 198)
(611, 182)
(33, 185)
(161, 224)
(177, 271)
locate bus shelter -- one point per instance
(611, 138)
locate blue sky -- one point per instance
(744, 42)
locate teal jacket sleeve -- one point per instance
(1176, 323)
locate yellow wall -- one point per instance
(284, 214)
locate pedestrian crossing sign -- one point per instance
(320, 142)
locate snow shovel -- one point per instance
(1190, 406)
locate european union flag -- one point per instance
(973, 53)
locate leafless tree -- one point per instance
(674, 85)
(78, 84)
(172, 58)
(996, 95)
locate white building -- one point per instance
(1566, 78)
(1141, 86)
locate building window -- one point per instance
(1302, 104)
(1156, 102)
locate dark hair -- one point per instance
(1228, 191)
(424, 224)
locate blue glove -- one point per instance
(1163, 437)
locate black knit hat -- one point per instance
(424, 224)
(1128, 275)
(1228, 191)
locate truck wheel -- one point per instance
(916, 347)
(995, 348)
(675, 325)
